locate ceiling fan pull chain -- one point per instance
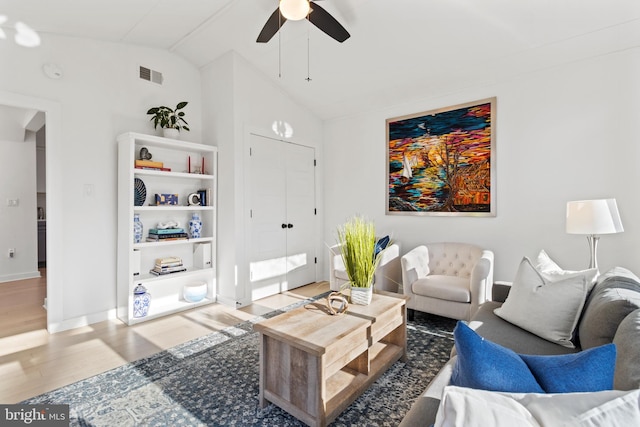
(308, 47)
(279, 45)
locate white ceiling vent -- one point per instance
(150, 75)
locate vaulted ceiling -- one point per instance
(399, 50)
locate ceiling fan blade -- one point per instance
(275, 21)
(327, 23)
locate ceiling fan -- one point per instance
(300, 9)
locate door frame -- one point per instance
(53, 120)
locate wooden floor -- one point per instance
(32, 361)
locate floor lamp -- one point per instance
(593, 217)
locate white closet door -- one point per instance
(282, 202)
(267, 195)
(301, 267)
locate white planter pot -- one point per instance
(171, 133)
(361, 296)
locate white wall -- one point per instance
(19, 226)
(99, 96)
(240, 100)
(565, 133)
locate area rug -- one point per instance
(213, 381)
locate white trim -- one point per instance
(81, 321)
(19, 276)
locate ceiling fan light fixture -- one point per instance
(294, 10)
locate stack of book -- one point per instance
(166, 234)
(167, 265)
(148, 164)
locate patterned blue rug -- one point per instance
(213, 381)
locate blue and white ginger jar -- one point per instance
(141, 301)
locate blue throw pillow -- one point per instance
(485, 365)
(586, 371)
(381, 245)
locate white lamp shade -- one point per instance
(593, 217)
(294, 10)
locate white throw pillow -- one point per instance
(548, 267)
(468, 407)
(547, 305)
(544, 264)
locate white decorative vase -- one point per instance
(361, 296)
(171, 133)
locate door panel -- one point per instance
(282, 203)
(267, 260)
(301, 268)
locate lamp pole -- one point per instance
(593, 249)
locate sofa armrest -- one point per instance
(424, 409)
(334, 251)
(481, 281)
(389, 254)
(415, 264)
(388, 276)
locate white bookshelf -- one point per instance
(165, 290)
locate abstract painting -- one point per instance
(441, 162)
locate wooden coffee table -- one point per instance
(313, 365)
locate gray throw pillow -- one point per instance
(611, 300)
(627, 341)
(548, 306)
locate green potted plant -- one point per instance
(357, 238)
(170, 120)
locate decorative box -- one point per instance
(166, 199)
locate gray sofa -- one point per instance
(611, 314)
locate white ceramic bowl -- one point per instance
(195, 291)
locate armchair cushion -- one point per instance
(450, 288)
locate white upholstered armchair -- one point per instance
(387, 276)
(447, 279)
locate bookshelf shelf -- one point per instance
(143, 245)
(171, 208)
(197, 255)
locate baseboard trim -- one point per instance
(81, 321)
(20, 276)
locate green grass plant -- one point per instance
(357, 238)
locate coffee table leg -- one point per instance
(261, 400)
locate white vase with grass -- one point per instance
(358, 240)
